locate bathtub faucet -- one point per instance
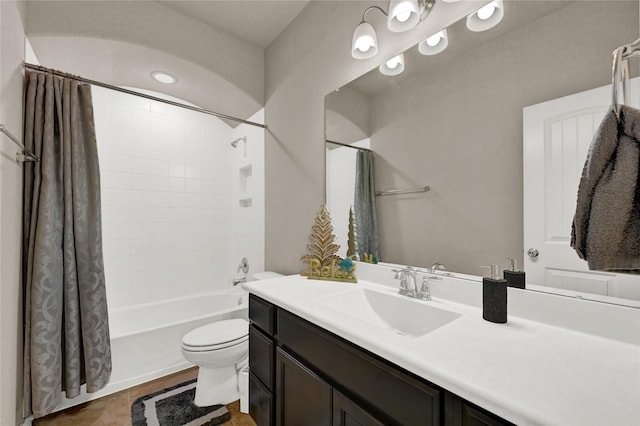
(244, 267)
(237, 281)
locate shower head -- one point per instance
(235, 143)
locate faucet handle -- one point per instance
(244, 265)
(437, 266)
(425, 290)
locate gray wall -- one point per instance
(459, 129)
(310, 59)
(11, 57)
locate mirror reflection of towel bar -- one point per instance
(402, 191)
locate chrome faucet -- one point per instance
(401, 275)
(425, 290)
(408, 276)
(437, 267)
(237, 281)
(244, 267)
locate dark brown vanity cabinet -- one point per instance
(301, 374)
(348, 413)
(261, 361)
(462, 413)
(302, 397)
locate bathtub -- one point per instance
(146, 339)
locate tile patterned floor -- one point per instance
(115, 409)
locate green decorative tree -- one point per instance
(322, 244)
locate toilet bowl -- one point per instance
(220, 350)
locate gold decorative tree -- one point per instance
(352, 241)
(322, 246)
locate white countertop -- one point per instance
(527, 372)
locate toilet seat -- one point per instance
(217, 335)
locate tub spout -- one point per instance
(237, 281)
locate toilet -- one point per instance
(220, 350)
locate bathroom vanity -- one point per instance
(308, 373)
(328, 353)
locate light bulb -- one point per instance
(364, 43)
(393, 66)
(403, 16)
(393, 62)
(486, 12)
(434, 39)
(487, 17)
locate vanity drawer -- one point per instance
(379, 387)
(261, 357)
(262, 314)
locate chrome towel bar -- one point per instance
(23, 156)
(402, 191)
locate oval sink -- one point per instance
(401, 314)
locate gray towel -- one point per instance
(606, 226)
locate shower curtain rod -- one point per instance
(39, 68)
(348, 146)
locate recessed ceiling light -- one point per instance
(163, 77)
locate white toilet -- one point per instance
(221, 350)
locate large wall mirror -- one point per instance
(454, 122)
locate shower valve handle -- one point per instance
(244, 265)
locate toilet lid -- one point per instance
(217, 333)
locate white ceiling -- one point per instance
(256, 22)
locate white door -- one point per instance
(557, 135)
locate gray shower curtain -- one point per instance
(365, 206)
(66, 330)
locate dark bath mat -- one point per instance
(174, 407)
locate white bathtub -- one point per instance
(146, 339)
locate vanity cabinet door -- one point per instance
(458, 412)
(260, 402)
(348, 413)
(302, 398)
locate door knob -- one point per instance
(533, 253)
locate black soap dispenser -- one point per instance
(494, 296)
(514, 277)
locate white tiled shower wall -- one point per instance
(167, 199)
(248, 220)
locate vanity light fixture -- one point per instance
(365, 42)
(434, 44)
(403, 15)
(486, 17)
(163, 77)
(393, 66)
